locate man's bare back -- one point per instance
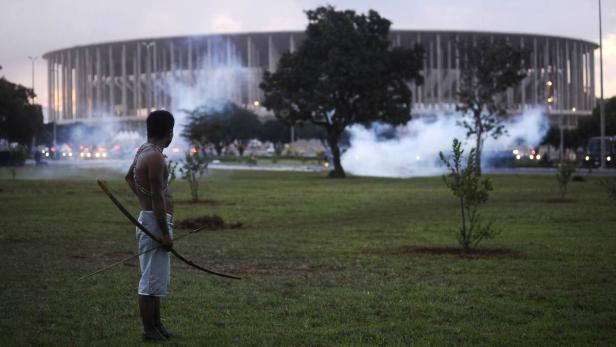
(147, 178)
(151, 162)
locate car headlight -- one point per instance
(609, 158)
(587, 158)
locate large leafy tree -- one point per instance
(221, 125)
(20, 119)
(488, 69)
(345, 72)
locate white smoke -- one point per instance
(413, 149)
(221, 76)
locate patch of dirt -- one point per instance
(479, 253)
(213, 222)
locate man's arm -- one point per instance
(130, 178)
(156, 168)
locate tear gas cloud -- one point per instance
(222, 76)
(412, 149)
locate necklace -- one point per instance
(155, 146)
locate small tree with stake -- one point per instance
(471, 191)
(193, 167)
(563, 176)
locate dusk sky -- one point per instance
(31, 28)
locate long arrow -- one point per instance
(137, 255)
(135, 222)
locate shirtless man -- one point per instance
(147, 178)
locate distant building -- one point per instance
(125, 79)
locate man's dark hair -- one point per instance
(159, 123)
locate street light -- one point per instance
(33, 59)
(602, 105)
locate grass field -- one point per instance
(325, 262)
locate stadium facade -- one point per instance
(125, 79)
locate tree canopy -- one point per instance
(488, 69)
(19, 118)
(221, 125)
(345, 72)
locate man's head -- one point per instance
(160, 126)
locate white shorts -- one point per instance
(155, 265)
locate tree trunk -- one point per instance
(332, 139)
(218, 149)
(478, 155)
(478, 144)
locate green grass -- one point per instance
(321, 261)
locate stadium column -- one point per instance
(270, 54)
(77, 105)
(97, 85)
(430, 75)
(69, 85)
(137, 80)
(292, 44)
(230, 93)
(88, 78)
(249, 59)
(567, 76)
(172, 59)
(587, 50)
(558, 76)
(545, 73)
(457, 49)
(162, 77)
(50, 116)
(63, 74)
(450, 97)
(124, 83)
(589, 76)
(439, 78)
(111, 83)
(524, 81)
(579, 60)
(190, 62)
(154, 77)
(510, 98)
(420, 89)
(148, 79)
(535, 74)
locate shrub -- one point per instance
(193, 167)
(563, 177)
